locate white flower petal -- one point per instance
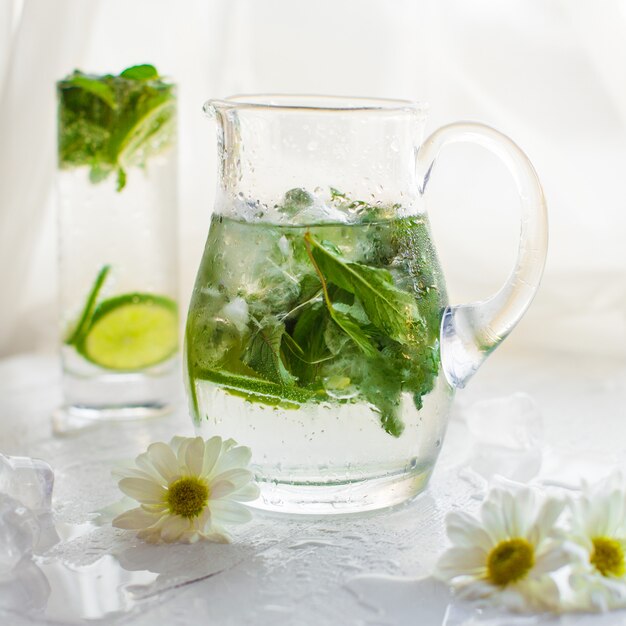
(551, 560)
(250, 492)
(491, 517)
(518, 509)
(175, 443)
(465, 531)
(475, 589)
(173, 527)
(508, 515)
(212, 451)
(162, 507)
(457, 562)
(203, 521)
(189, 536)
(194, 456)
(514, 599)
(181, 454)
(131, 472)
(238, 477)
(236, 457)
(135, 519)
(217, 536)
(145, 465)
(221, 489)
(229, 511)
(615, 513)
(228, 445)
(591, 510)
(595, 592)
(142, 490)
(164, 460)
(545, 521)
(540, 593)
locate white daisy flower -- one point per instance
(597, 531)
(188, 490)
(507, 555)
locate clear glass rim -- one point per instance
(314, 102)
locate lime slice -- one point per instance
(131, 332)
(150, 133)
(155, 126)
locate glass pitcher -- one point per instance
(319, 331)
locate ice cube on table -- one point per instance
(19, 531)
(507, 436)
(25, 589)
(30, 481)
(513, 422)
(26, 523)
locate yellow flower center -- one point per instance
(608, 556)
(510, 561)
(187, 496)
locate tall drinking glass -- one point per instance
(118, 243)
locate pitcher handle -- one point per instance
(470, 332)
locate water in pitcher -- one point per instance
(314, 339)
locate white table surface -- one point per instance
(356, 570)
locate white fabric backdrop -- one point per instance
(551, 74)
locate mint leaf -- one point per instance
(378, 382)
(310, 286)
(96, 87)
(336, 339)
(411, 241)
(305, 349)
(140, 72)
(263, 353)
(340, 314)
(256, 389)
(391, 310)
(383, 381)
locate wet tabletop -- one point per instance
(372, 569)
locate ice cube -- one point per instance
(302, 208)
(511, 422)
(284, 246)
(296, 200)
(30, 481)
(320, 212)
(507, 438)
(19, 532)
(26, 589)
(237, 312)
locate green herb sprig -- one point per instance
(352, 326)
(110, 123)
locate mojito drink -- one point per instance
(117, 243)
